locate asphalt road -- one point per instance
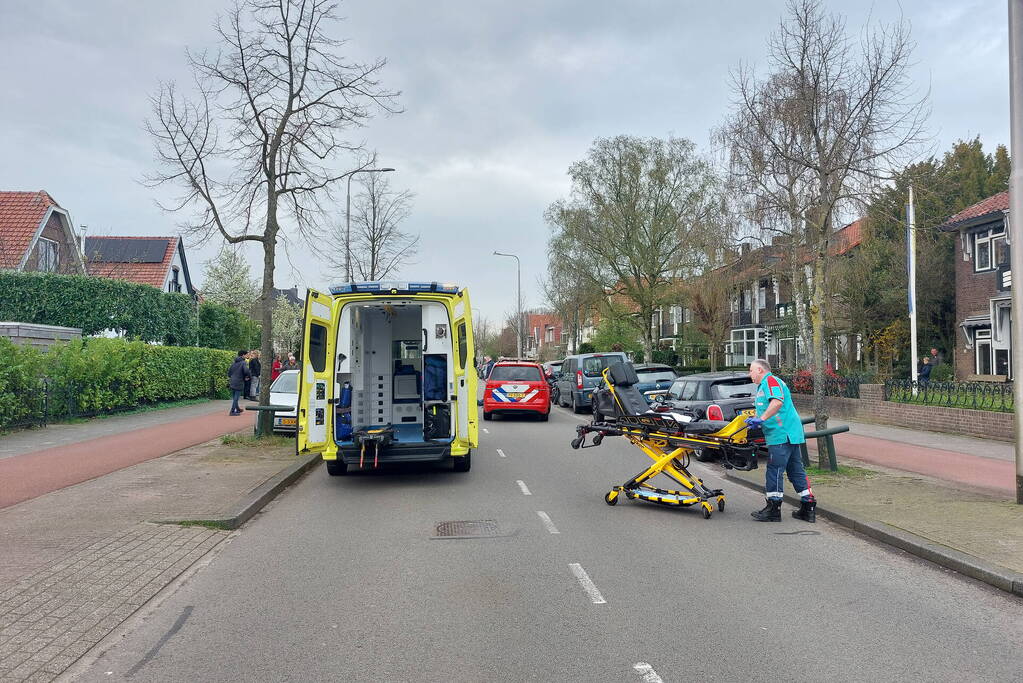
(339, 580)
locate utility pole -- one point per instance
(518, 300)
(1015, 219)
(911, 265)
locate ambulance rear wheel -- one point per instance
(337, 468)
(463, 462)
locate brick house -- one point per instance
(156, 261)
(983, 285)
(544, 336)
(37, 235)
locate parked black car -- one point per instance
(711, 395)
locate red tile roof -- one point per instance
(992, 205)
(847, 238)
(20, 216)
(154, 274)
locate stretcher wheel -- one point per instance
(706, 513)
(611, 498)
(721, 504)
(597, 438)
(576, 443)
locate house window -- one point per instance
(688, 316)
(564, 337)
(548, 336)
(175, 284)
(48, 255)
(982, 351)
(989, 249)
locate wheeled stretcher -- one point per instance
(669, 439)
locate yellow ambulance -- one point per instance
(388, 376)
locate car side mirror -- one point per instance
(479, 402)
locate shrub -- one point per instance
(92, 376)
(134, 310)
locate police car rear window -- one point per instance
(515, 373)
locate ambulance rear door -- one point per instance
(316, 380)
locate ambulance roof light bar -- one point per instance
(389, 286)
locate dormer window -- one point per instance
(175, 283)
(48, 261)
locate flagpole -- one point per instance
(911, 265)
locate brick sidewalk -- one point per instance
(76, 562)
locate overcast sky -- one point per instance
(499, 99)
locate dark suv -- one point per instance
(580, 375)
(711, 395)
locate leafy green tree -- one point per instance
(617, 332)
(229, 281)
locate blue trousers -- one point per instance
(235, 395)
(785, 459)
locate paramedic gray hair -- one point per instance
(763, 364)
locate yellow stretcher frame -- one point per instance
(670, 450)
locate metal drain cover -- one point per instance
(469, 528)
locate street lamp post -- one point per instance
(348, 217)
(1014, 230)
(518, 300)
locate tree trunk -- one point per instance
(266, 303)
(817, 327)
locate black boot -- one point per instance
(770, 513)
(807, 511)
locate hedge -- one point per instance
(137, 311)
(93, 376)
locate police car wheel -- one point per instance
(488, 416)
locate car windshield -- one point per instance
(740, 388)
(594, 365)
(656, 375)
(285, 384)
(515, 373)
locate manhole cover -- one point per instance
(470, 528)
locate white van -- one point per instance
(387, 375)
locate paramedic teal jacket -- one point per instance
(785, 425)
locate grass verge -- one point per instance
(220, 526)
(844, 471)
(252, 441)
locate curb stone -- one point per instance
(256, 499)
(942, 555)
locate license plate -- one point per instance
(287, 421)
(517, 394)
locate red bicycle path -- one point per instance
(952, 466)
(30, 475)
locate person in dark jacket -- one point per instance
(924, 371)
(255, 367)
(237, 376)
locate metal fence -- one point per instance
(842, 387)
(991, 396)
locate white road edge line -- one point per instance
(584, 580)
(501, 453)
(546, 519)
(522, 485)
(647, 672)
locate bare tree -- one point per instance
(255, 148)
(709, 298)
(571, 298)
(831, 120)
(639, 220)
(379, 246)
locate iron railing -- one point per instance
(841, 387)
(993, 396)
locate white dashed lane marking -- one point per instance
(523, 487)
(647, 672)
(501, 453)
(547, 523)
(584, 580)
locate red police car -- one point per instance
(516, 387)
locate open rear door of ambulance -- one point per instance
(316, 380)
(465, 375)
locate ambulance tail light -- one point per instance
(578, 379)
(714, 412)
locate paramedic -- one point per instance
(783, 431)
